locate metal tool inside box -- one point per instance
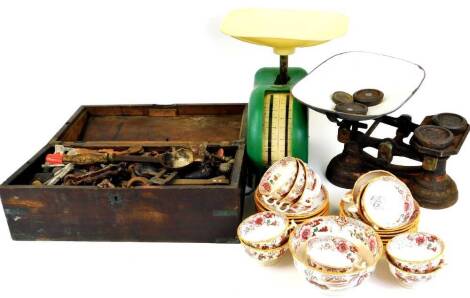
(125, 192)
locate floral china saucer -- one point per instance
(387, 203)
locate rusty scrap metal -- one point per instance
(60, 174)
(94, 176)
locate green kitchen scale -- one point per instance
(277, 123)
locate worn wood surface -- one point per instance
(188, 213)
(192, 214)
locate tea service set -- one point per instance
(378, 217)
(291, 188)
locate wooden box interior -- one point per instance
(172, 124)
(154, 127)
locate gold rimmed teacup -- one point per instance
(429, 247)
(410, 279)
(266, 256)
(275, 227)
(398, 217)
(362, 182)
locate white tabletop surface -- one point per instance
(57, 55)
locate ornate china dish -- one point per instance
(346, 208)
(416, 252)
(266, 256)
(409, 279)
(362, 182)
(264, 230)
(361, 235)
(297, 188)
(279, 178)
(413, 221)
(299, 209)
(313, 186)
(333, 253)
(387, 203)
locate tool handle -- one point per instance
(135, 158)
(79, 159)
(86, 159)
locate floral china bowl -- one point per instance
(387, 203)
(266, 256)
(264, 230)
(363, 237)
(416, 252)
(409, 279)
(333, 253)
(278, 180)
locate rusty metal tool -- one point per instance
(60, 174)
(174, 159)
(92, 177)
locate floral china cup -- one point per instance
(364, 237)
(416, 252)
(279, 178)
(333, 254)
(297, 188)
(266, 256)
(264, 230)
(409, 279)
(387, 203)
(313, 186)
(362, 182)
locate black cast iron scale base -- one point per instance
(433, 142)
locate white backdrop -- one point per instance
(57, 55)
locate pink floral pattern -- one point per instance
(266, 256)
(331, 244)
(348, 228)
(409, 279)
(260, 220)
(416, 241)
(279, 178)
(331, 282)
(374, 202)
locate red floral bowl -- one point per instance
(266, 256)
(264, 230)
(410, 279)
(416, 252)
(363, 237)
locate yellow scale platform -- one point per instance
(284, 30)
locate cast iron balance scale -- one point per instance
(278, 111)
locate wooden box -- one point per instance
(173, 213)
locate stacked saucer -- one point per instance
(384, 202)
(291, 188)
